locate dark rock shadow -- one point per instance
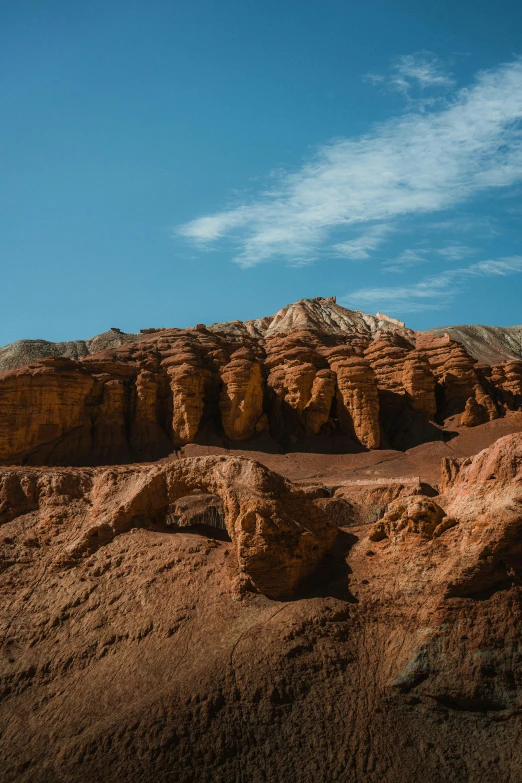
(208, 531)
(334, 443)
(263, 442)
(331, 577)
(403, 428)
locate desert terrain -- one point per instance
(287, 549)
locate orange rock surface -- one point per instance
(241, 403)
(357, 396)
(314, 370)
(314, 573)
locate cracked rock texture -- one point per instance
(278, 533)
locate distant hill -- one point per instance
(24, 352)
(488, 344)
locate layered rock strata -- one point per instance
(241, 403)
(357, 396)
(315, 370)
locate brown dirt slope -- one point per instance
(140, 658)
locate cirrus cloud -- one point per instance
(418, 163)
(421, 71)
(431, 293)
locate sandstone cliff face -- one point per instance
(42, 405)
(241, 402)
(318, 408)
(483, 493)
(301, 389)
(357, 396)
(507, 379)
(452, 368)
(147, 438)
(419, 384)
(315, 369)
(226, 624)
(187, 379)
(402, 370)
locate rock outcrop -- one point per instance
(312, 371)
(414, 514)
(473, 415)
(241, 402)
(357, 396)
(402, 370)
(489, 344)
(279, 534)
(43, 404)
(24, 352)
(318, 408)
(506, 378)
(483, 492)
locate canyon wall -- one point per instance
(314, 370)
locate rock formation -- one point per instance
(24, 352)
(318, 408)
(489, 344)
(202, 618)
(279, 534)
(507, 380)
(241, 403)
(357, 396)
(313, 370)
(414, 514)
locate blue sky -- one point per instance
(170, 163)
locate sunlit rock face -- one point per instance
(313, 370)
(323, 611)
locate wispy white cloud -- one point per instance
(454, 252)
(432, 293)
(365, 243)
(414, 71)
(481, 226)
(405, 260)
(418, 163)
(412, 257)
(425, 69)
(213, 227)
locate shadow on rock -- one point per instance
(331, 577)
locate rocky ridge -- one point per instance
(314, 370)
(338, 608)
